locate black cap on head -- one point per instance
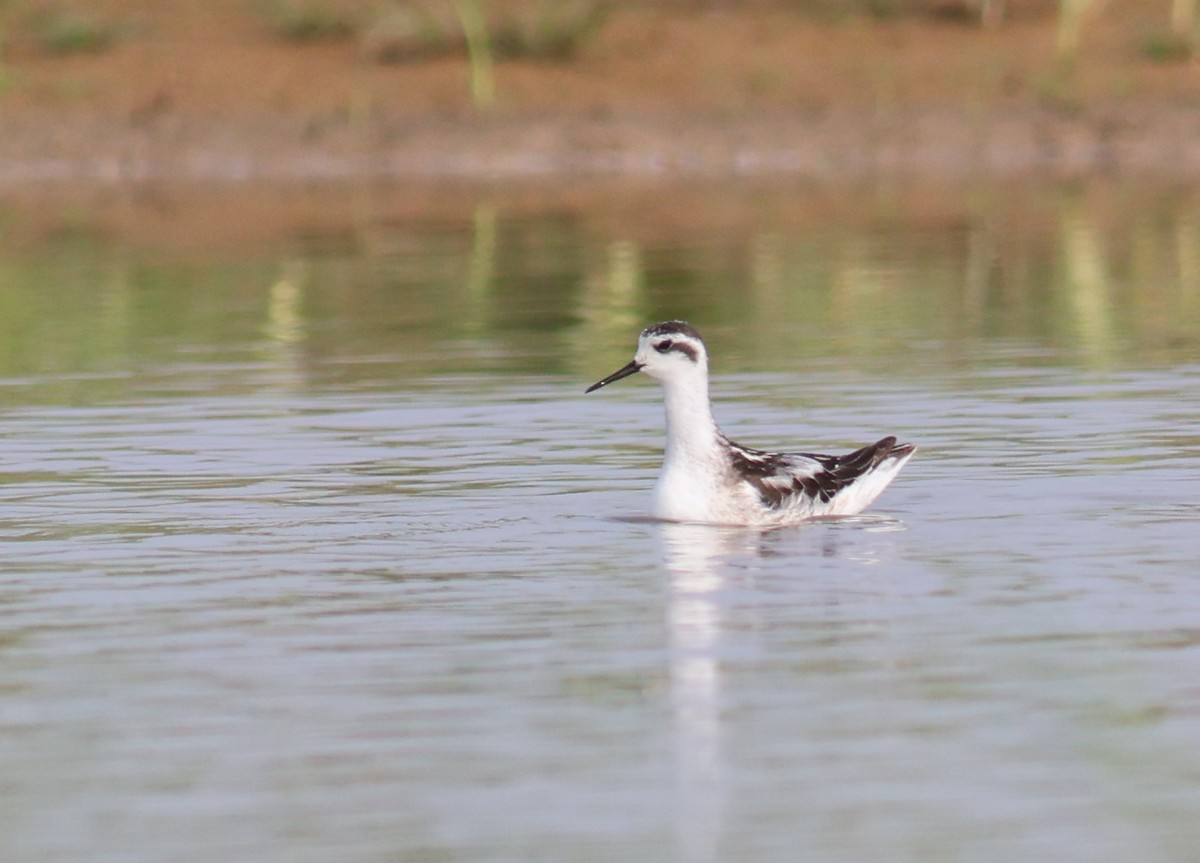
(671, 328)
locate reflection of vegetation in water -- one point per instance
(481, 264)
(285, 322)
(1085, 284)
(613, 294)
(1099, 279)
(64, 315)
(1187, 245)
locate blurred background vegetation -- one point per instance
(202, 54)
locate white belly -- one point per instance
(687, 492)
(683, 494)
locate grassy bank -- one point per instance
(99, 88)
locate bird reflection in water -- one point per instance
(694, 556)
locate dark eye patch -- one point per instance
(682, 347)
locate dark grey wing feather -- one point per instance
(778, 477)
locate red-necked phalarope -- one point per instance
(706, 477)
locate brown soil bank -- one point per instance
(116, 90)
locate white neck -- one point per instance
(685, 490)
(691, 430)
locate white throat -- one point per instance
(693, 458)
(691, 429)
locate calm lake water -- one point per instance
(313, 548)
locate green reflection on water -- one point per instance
(492, 284)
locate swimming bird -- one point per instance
(708, 478)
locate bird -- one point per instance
(708, 478)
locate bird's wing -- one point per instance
(781, 477)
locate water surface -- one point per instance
(318, 551)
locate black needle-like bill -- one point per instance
(625, 371)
